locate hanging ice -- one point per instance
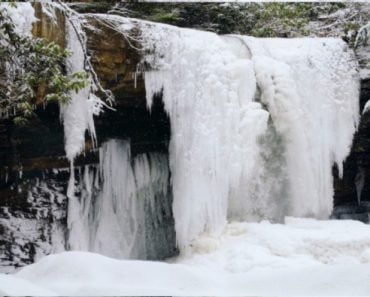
(257, 124)
(116, 199)
(208, 89)
(309, 87)
(78, 114)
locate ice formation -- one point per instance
(366, 107)
(219, 151)
(310, 87)
(116, 197)
(208, 90)
(78, 114)
(256, 126)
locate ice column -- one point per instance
(311, 89)
(208, 89)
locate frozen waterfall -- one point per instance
(256, 127)
(257, 124)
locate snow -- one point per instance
(22, 16)
(14, 286)
(302, 257)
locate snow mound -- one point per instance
(302, 257)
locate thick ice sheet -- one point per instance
(302, 257)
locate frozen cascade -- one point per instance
(221, 149)
(208, 89)
(110, 216)
(311, 89)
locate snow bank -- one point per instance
(302, 257)
(14, 286)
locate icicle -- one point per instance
(77, 115)
(366, 107)
(71, 182)
(360, 182)
(135, 79)
(20, 172)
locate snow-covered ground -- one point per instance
(301, 257)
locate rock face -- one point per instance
(34, 172)
(352, 192)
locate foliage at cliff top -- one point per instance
(32, 72)
(256, 19)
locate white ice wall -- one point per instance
(233, 102)
(310, 90)
(208, 91)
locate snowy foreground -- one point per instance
(302, 257)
